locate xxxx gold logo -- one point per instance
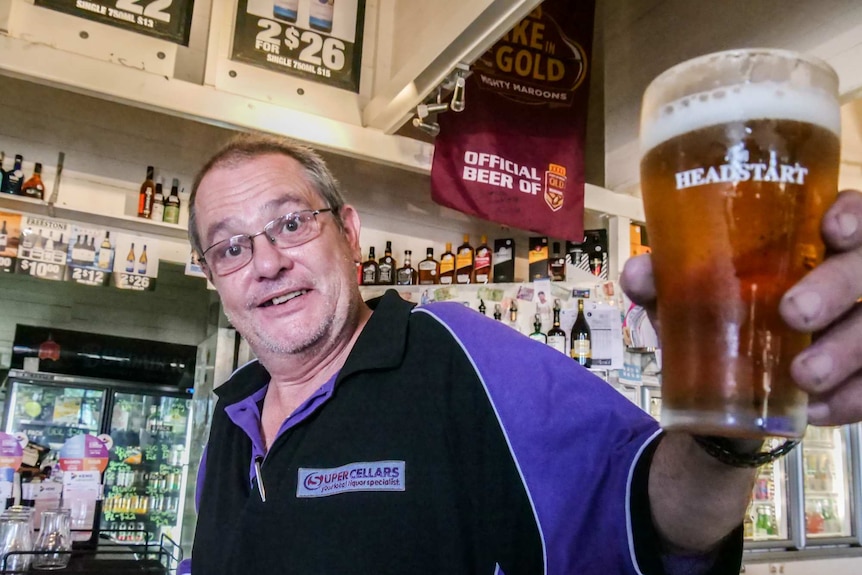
(555, 186)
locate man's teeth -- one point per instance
(286, 297)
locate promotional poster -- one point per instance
(515, 155)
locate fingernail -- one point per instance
(818, 366)
(818, 412)
(848, 224)
(807, 304)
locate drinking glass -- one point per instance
(740, 155)
(55, 541)
(16, 534)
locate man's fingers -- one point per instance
(840, 406)
(830, 290)
(842, 223)
(637, 280)
(832, 358)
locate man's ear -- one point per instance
(352, 227)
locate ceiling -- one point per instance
(644, 37)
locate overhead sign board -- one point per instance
(166, 19)
(319, 40)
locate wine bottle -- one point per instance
(581, 347)
(556, 335)
(172, 204)
(142, 262)
(106, 252)
(130, 260)
(157, 213)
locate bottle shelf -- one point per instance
(121, 222)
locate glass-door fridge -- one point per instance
(768, 520)
(149, 426)
(147, 472)
(50, 412)
(827, 479)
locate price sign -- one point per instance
(320, 40)
(166, 19)
(136, 264)
(10, 232)
(42, 247)
(90, 257)
(84, 452)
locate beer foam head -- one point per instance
(739, 86)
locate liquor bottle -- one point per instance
(172, 204)
(142, 262)
(498, 312)
(596, 264)
(386, 267)
(130, 260)
(556, 335)
(429, 269)
(320, 15)
(482, 306)
(106, 252)
(580, 347)
(406, 275)
(447, 266)
(145, 195)
(537, 330)
(482, 263)
(33, 187)
(157, 213)
(4, 236)
(285, 10)
(369, 269)
(513, 314)
(2, 172)
(557, 265)
(15, 177)
(464, 262)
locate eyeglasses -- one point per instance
(287, 231)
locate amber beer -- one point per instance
(740, 161)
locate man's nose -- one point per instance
(268, 259)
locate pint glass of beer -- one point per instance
(740, 154)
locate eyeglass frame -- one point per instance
(265, 231)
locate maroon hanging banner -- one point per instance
(516, 154)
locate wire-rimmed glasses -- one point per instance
(287, 231)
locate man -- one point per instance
(389, 439)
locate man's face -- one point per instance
(285, 300)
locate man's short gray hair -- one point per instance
(247, 146)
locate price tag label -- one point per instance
(320, 41)
(90, 257)
(134, 282)
(166, 19)
(136, 263)
(42, 248)
(41, 270)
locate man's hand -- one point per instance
(826, 302)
